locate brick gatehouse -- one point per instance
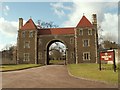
(81, 42)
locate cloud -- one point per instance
(78, 8)
(106, 15)
(110, 28)
(59, 8)
(2, 46)
(8, 28)
(5, 9)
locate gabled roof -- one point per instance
(56, 31)
(29, 25)
(84, 22)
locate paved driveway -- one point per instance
(51, 76)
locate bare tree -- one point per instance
(43, 24)
(100, 36)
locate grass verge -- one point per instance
(5, 68)
(91, 71)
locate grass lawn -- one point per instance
(91, 71)
(17, 67)
(56, 61)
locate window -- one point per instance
(81, 31)
(39, 55)
(86, 56)
(31, 34)
(39, 41)
(26, 57)
(71, 40)
(23, 34)
(72, 54)
(89, 31)
(27, 44)
(86, 43)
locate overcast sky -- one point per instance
(64, 14)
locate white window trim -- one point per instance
(71, 40)
(39, 41)
(90, 31)
(72, 54)
(26, 58)
(30, 34)
(39, 55)
(23, 36)
(81, 29)
(88, 42)
(88, 56)
(28, 44)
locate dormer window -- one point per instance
(86, 43)
(27, 44)
(71, 40)
(23, 34)
(80, 31)
(31, 34)
(89, 31)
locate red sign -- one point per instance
(107, 56)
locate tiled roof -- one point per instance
(84, 22)
(56, 31)
(29, 25)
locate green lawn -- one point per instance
(91, 71)
(17, 67)
(56, 61)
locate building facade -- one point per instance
(80, 41)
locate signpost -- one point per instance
(107, 55)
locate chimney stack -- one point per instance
(20, 23)
(94, 16)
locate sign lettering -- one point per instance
(107, 56)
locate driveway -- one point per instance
(50, 76)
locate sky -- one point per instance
(62, 13)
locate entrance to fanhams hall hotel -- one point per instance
(56, 53)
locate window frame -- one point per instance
(86, 56)
(81, 33)
(39, 55)
(26, 57)
(89, 31)
(27, 44)
(72, 54)
(31, 34)
(71, 40)
(39, 41)
(23, 34)
(88, 43)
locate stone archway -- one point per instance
(47, 51)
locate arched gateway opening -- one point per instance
(56, 53)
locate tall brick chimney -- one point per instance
(94, 20)
(20, 23)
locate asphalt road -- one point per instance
(51, 76)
